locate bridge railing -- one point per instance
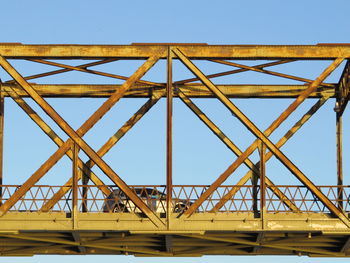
(245, 198)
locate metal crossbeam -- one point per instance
(192, 51)
(194, 90)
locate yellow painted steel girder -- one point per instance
(190, 90)
(142, 51)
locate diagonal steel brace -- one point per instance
(76, 136)
(263, 137)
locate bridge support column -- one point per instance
(343, 96)
(2, 108)
(254, 180)
(169, 137)
(262, 151)
(339, 135)
(75, 209)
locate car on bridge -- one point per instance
(118, 202)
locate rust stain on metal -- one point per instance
(260, 218)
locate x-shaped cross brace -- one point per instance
(262, 137)
(254, 168)
(76, 137)
(106, 147)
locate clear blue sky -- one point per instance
(219, 22)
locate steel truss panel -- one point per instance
(260, 218)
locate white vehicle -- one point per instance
(118, 202)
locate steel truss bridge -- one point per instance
(252, 217)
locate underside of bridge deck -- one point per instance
(182, 244)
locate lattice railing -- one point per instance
(245, 199)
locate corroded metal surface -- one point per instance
(86, 215)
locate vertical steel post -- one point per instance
(169, 142)
(75, 185)
(2, 108)
(254, 181)
(85, 182)
(339, 139)
(262, 150)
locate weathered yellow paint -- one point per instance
(191, 51)
(217, 232)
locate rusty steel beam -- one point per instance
(105, 148)
(254, 168)
(279, 144)
(262, 168)
(342, 98)
(192, 51)
(339, 144)
(2, 117)
(75, 172)
(254, 191)
(260, 135)
(169, 135)
(76, 136)
(190, 90)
